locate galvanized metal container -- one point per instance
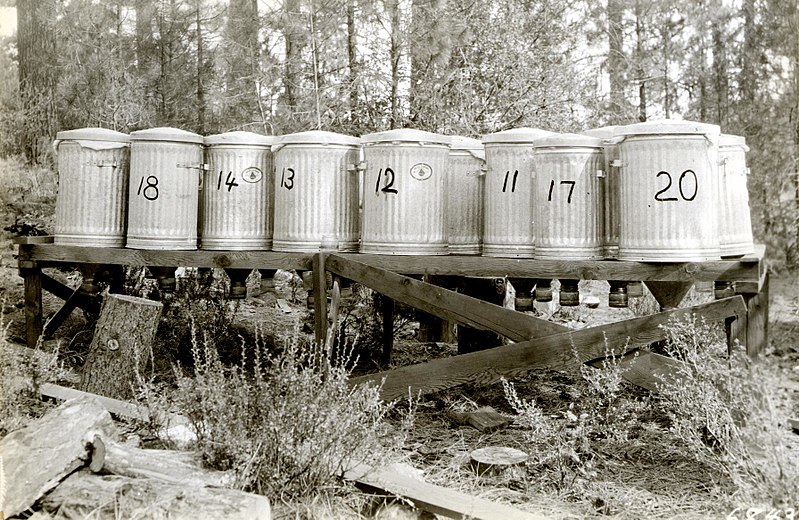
(464, 196)
(316, 192)
(568, 205)
(238, 196)
(669, 191)
(508, 196)
(735, 222)
(403, 193)
(166, 169)
(609, 190)
(92, 202)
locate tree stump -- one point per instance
(121, 345)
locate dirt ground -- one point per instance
(648, 480)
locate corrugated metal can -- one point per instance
(508, 192)
(568, 206)
(166, 168)
(735, 223)
(403, 193)
(669, 192)
(93, 168)
(464, 196)
(237, 197)
(609, 190)
(316, 192)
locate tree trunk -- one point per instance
(200, 73)
(352, 60)
(616, 61)
(639, 51)
(121, 345)
(392, 6)
(38, 75)
(720, 72)
(293, 35)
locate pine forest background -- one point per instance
(465, 67)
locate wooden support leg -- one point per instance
(757, 319)
(320, 299)
(487, 289)
(387, 311)
(669, 294)
(33, 304)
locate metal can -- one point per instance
(166, 168)
(403, 193)
(735, 222)
(464, 196)
(93, 169)
(508, 196)
(238, 196)
(316, 192)
(609, 190)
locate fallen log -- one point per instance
(175, 467)
(37, 457)
(122, 339)
(87, 495)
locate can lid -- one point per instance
(166, 134)
(732, 140)
(669, 126)
(92, 134)
(246, 138)
(569, 140)
(406, 135)
(603, 132)
(517, 135)
(316, 137)
(473, 147)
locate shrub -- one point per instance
(27, 197)
(731, 414)
(285, 421)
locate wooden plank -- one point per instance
(481, 266)
(555, 351)
(62, 314)
(441, 302)
(387, 308)
(435, 499)
(51, 254)
(115, 406)
(33, 304)
(743, 269)
(44, 239)
(646, 369)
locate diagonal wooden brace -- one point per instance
(554, 351)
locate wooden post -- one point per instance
(122, 339)
(491, 290)
(32, 277)
(756, 330)
(387, 313)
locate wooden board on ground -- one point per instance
(37, 457)
(556, 351)
(435, 499)
(121, 345)
(101, 497)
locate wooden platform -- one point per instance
(745, 315)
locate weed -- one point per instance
(27, 197)
(731, 415)
(284, 420)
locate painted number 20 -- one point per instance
(686, 195)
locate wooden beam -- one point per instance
(757, 320)
(555, 351)
(387, 308)
(441, 302)
(61, 315)
(435, 499)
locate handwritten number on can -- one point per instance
(388, 174)
(513, 182)
(230, 181)
(150, 191)
(685, 193)
(287, 181)
(571, 190)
